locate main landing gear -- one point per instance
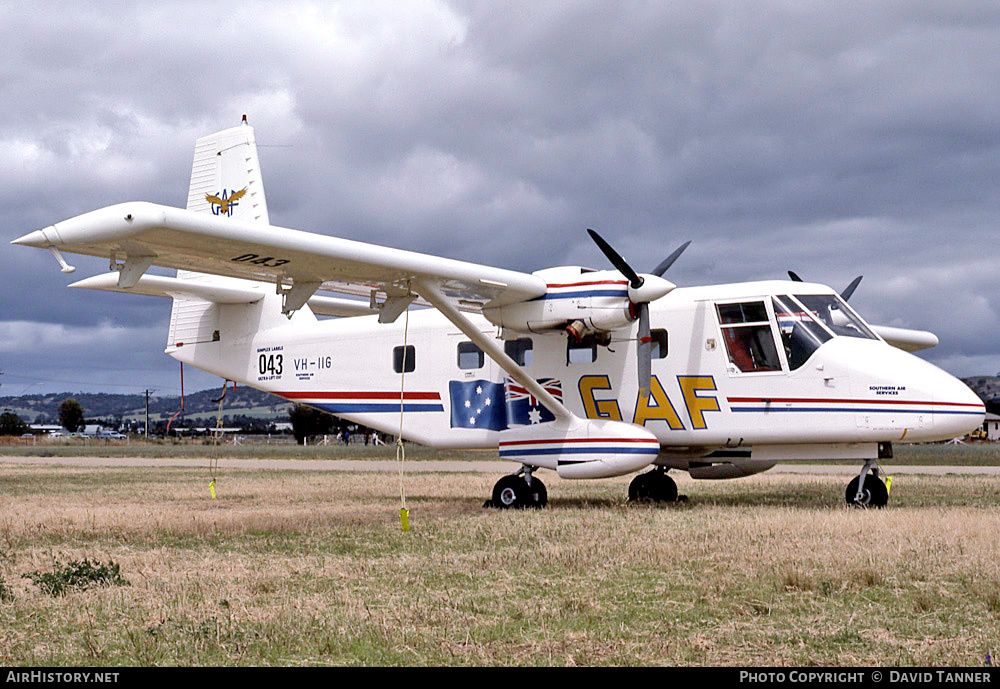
(523, 489)
(653, 486)
(519, 490)
(867, 489)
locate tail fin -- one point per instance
(225, 177)
(225, 181)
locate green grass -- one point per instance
(204, 450)
(971, 454)
(287, 568)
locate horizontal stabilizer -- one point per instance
(907, 340)
(333, 306)
(161, 286)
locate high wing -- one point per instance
(143, 234)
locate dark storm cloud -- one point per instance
(828, 139)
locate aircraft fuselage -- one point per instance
(849, 394)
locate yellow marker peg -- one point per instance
(211, 488)
(404, 518)
(888, 484)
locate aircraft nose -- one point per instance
(957, 409)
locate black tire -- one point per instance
(537, 495)
(511, 492)
(875, 493)
(653, 486)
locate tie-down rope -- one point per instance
(404, 513)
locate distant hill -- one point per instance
(988, 389)
(243, 401)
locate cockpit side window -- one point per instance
(800, 334)
(835, 315)
(746, 330)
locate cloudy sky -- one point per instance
(834, 139)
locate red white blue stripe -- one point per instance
(590, 288)
(823, 405)
(367, 402)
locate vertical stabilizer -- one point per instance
(226, 182)
(225, 177)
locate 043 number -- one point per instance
(270, 364)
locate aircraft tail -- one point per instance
(225, 176)
(225, 181)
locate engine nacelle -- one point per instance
(582, 448)
(595, 301)
(599, 299)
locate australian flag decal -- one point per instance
(523, 409)
(497, 406)
(477, 404)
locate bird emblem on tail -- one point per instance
(225, 203)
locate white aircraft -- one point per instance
(589, 373)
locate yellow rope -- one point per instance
(216, 435)
(404, 513)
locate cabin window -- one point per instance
(746, 330)
(469, 356)
(520, 350)
(583, 352)
(407, 354)
(659, 343)
(801, 335)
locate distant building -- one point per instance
(992, 426)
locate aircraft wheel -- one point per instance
(511, 492)
(653, 486)
(875, 494)
(537, 495)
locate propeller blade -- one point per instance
(616, 260)
(645, 353)
(659, 270)
(846, 294)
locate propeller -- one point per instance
(642, 290)
(849, 290)
(634, 279)
(845, 295)
(669, 260)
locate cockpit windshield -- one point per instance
(835, 315)
(800, 333)
(808, 320)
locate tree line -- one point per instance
(306, 421)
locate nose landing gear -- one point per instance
(867, 489)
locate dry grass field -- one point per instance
(302, 568)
